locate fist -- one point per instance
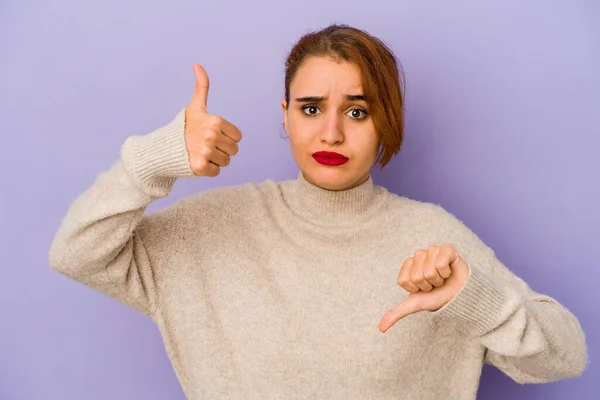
(433, 277)
(210, 140)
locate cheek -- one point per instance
(297, 138)
(367, 141)
(373, 140)
(301, 130)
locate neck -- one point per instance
(353, 185)
(332, 207)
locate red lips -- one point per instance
(330, 158)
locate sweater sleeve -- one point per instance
(106, 241)
(527, 335)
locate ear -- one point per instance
(285, 114)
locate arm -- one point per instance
(527, 335)
(105, 241)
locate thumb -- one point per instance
(409, 306)
(200, 97)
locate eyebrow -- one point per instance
(317, 99)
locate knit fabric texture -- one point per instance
(275, 290)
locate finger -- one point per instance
(227, 146)
(203, 167)
(404, 276)
(446, 257)
(416, 273)
(200, 96)
(407, 307)
(219, 158)
(212, 169)
(230, 130)
(430, 272)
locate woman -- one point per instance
(325, 286)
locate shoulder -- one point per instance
(438, 224)
(413, 209)
(426, 216)
(232, 204)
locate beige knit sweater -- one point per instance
(275, 290)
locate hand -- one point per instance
(210, 140)
(433, 277)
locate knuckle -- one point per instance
(197, 164)
(447, 247)
(430, 275)
(215, 121)
(420, 253)
(418, 279)
(205, 152)
(210, 135)
(432, 247)
(403, 281)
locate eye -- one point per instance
(311, 110)
(357, 113)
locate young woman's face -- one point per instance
(327, 113)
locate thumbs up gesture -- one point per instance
(210, 140)
(433, 277)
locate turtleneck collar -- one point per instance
(332, 207)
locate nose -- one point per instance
(332, 133)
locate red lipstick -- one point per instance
(330, 158)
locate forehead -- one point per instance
(321, 76)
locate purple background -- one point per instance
(502, 129)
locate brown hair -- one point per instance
(379, 74)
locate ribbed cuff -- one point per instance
(160, 157)
(477, 306)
